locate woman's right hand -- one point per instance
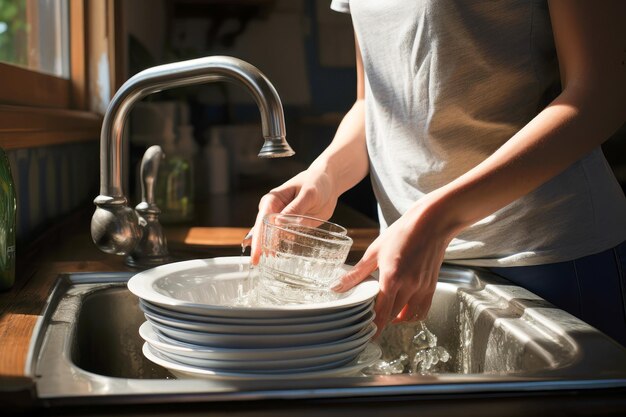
(310, 193)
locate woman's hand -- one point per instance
(408, 256)
(310, 193)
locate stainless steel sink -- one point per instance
(501, 338)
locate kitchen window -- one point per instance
(53, 84)
(35, 53)
(34, 34)
(58, 69)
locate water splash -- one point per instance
(246, 292)
(393, 367)
(427, 353)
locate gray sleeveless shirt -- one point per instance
(447, 83)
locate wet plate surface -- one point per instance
(214, 287)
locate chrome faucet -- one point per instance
(115, 227)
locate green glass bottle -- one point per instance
(8, 206)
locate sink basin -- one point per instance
(501, 338)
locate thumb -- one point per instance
(254, 236)
(358, 273)
(270, 203)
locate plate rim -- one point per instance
(140, 285)
(334, 357)
(354, 326)
(281, 320)
(367, 334)
(206, 373)
(265, 329)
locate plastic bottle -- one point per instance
(186, 146)
(8, 208)
(174, 183)
(216, 158)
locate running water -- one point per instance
(423, 349)
(428, 353)
(243, 252)
(246, 293)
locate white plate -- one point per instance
(333, 315)
(243, 340)
(278, 365)
(263, 371)
(364, 316)
(166, 344)
(370, 355)
(211, 287)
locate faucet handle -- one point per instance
(148, 174)
(152, 247)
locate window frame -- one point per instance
(43, 90)
(38, 109)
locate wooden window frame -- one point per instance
(38, 109)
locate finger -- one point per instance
(417, 307)
(247, 239)
(270, 203)
(358, 273)
(255, 247)
(403, 313)
(402, 298)
(384, 303)
(419, 304)
(423, 307)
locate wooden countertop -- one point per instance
(67, 248)
(229, 238)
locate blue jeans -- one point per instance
(592, 288)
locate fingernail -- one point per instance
(336, 285)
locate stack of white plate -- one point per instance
(198, 325)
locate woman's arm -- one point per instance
(346, 157)
(342, 165)
(591, 46)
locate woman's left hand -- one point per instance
(408, 256)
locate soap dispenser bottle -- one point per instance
(8, 206)
(216, 157)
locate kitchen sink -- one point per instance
(501, 338)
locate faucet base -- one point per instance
(147, 262)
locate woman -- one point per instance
(480, 124)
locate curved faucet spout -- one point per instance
(178, 74)
(114, 225)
